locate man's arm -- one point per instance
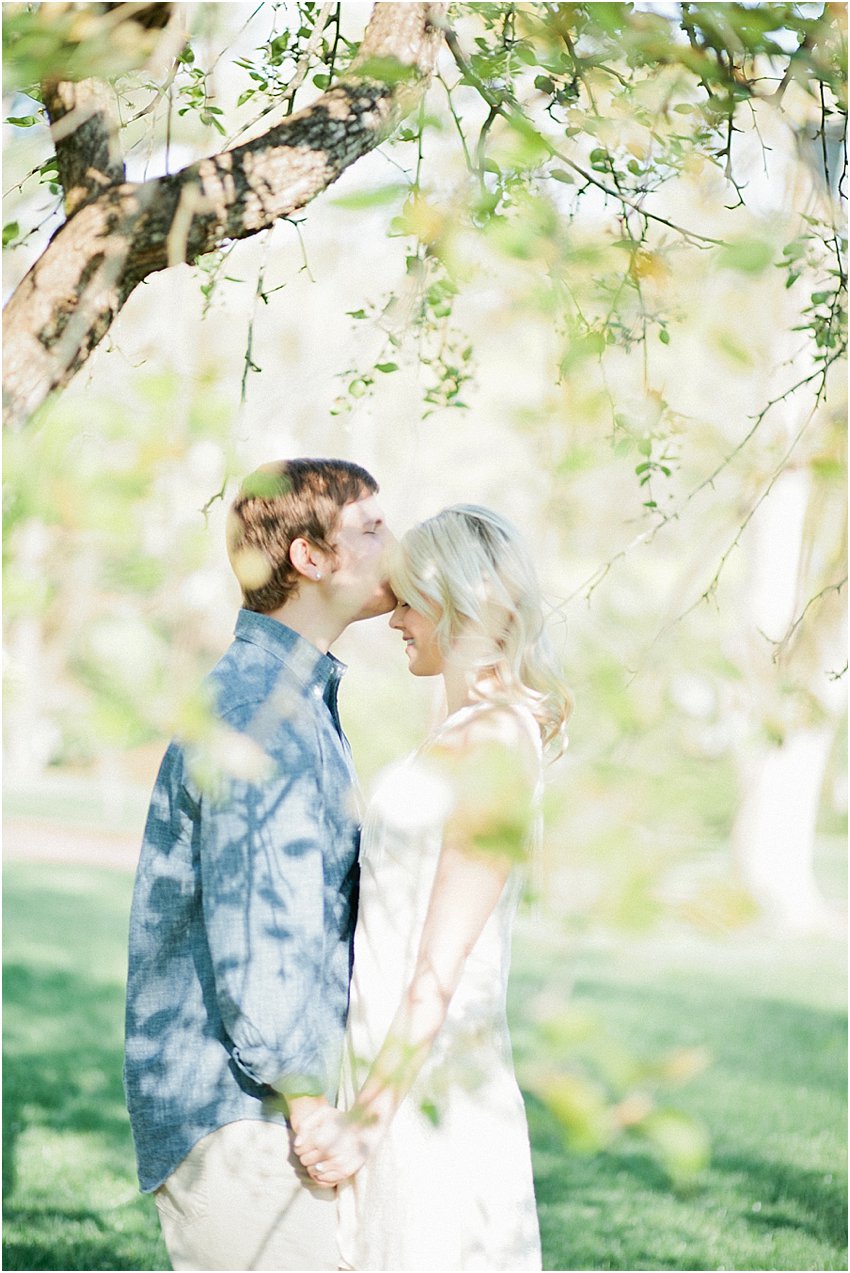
(262, 879)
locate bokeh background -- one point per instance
(680, 977)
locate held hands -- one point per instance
(333, 1145)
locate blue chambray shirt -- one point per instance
(243, 909)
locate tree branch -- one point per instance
(84, 128)
(500, 105)
(72, 294)
(782, 645)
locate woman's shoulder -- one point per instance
(493, 726)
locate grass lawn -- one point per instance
(773, 1097)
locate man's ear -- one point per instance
(306, 558)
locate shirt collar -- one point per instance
(314, 669)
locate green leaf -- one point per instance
(664, 336)
(429, 1109)
(22, 121)
(681, 1142)
(386, 366)
(387, 70)
(581, 1111)
(526, 147)
(748, 256)
(561, 174)
(265, 484)
(590, 345)
(525, 53)
(376, 198)
(10, 232)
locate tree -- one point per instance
(532, 66)
(621, 193)
(590, 162)
(117, 233)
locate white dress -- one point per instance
(450, 1185)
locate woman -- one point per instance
(431, 1147)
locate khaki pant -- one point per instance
(240, 1199)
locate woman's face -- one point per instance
(424, 657)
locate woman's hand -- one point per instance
(333, 1145)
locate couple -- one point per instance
(246, 897)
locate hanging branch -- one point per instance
(67, 302)
(781, 645)
(499, 105)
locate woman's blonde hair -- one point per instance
(468, 569)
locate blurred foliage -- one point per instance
(564, 110)
(64, 41)
(105, 549)
(602, 1090)
(602, 203)
(613, 284)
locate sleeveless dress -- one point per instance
(450, 1184)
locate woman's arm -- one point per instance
(481, 844)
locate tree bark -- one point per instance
(85, 134)
(66, 303)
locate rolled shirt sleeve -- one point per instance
(262, 881)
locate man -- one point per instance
(240, 933)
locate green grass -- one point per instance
(773, 1097)
(71, 1199)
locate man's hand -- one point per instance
(333, 1145)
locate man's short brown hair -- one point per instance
(280, 502)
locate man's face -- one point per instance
(362, 542)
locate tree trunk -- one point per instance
(774, 831)
(773, 836)
(66, 303)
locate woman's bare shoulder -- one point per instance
(493, 727)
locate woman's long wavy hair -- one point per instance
(468, 569)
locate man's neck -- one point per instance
(310, 620)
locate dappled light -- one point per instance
(584, 265)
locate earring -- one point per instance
(318, 574)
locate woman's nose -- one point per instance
(395, 618)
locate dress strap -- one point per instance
(524, 713)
